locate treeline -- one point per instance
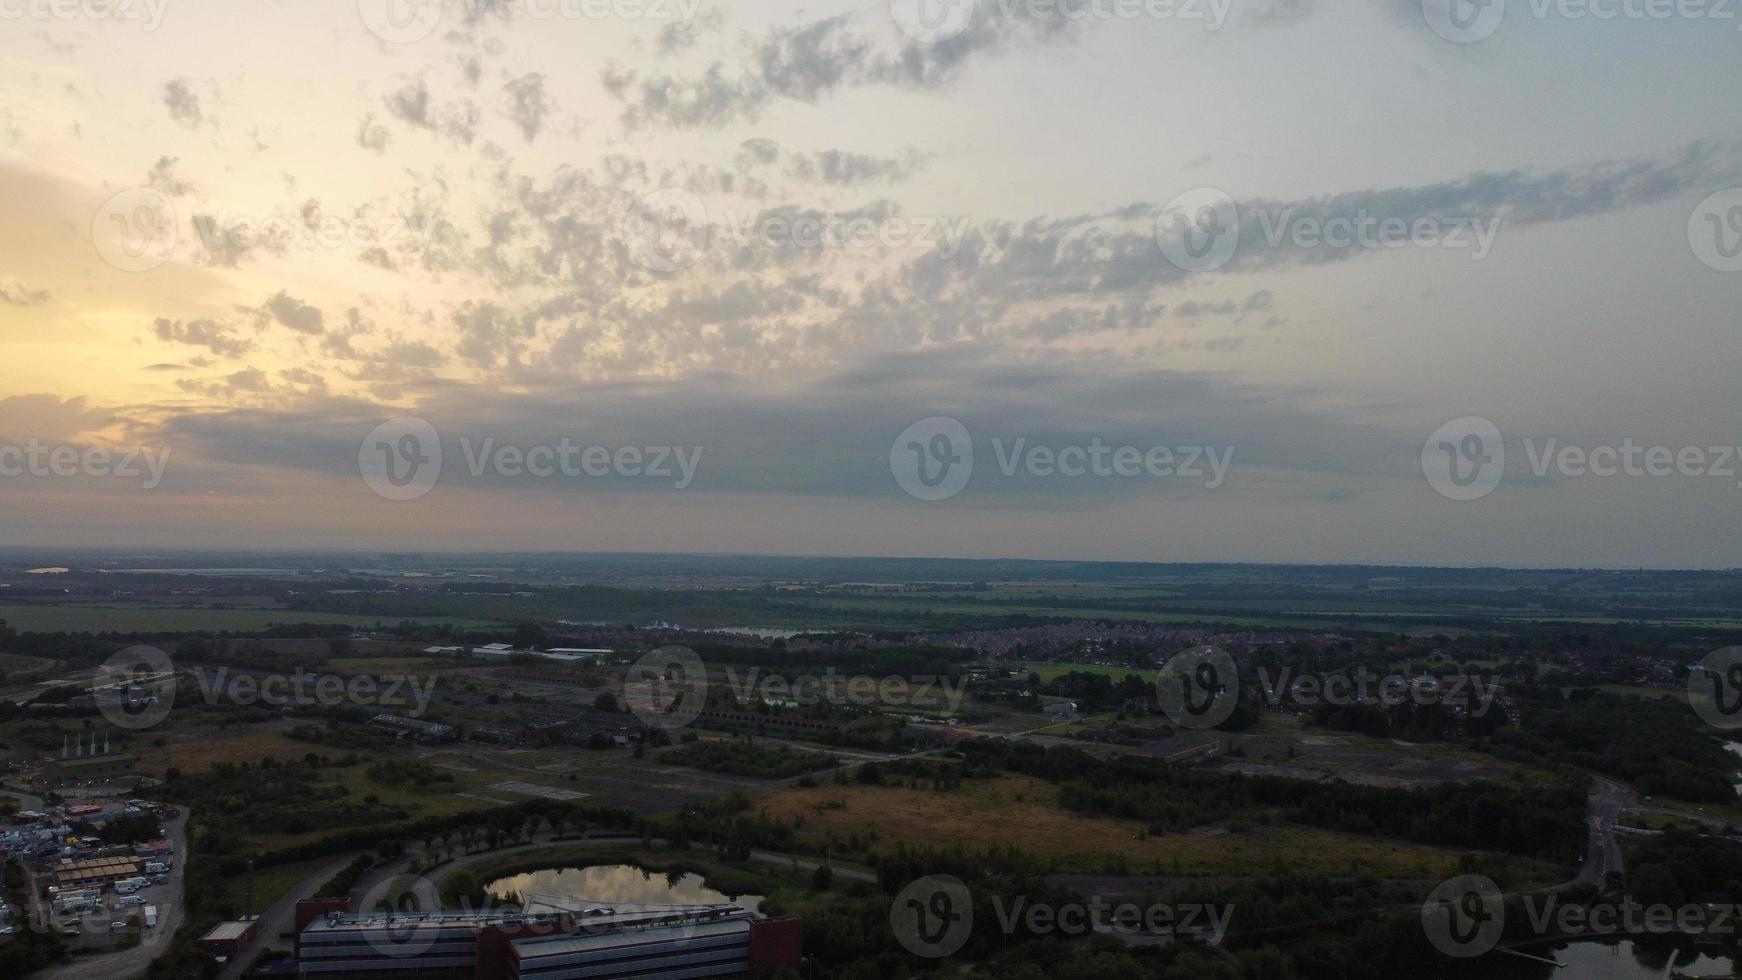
(1681, 866)
(1656, 744)
(1547, 822)
(1409, 720)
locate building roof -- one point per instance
(229, 930)
(97, 867)
(590, 939)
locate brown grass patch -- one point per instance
(1023, 813)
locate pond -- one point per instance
(618, 883)
(1620, 959)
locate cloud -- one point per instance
(373, 136)
(292, 313)
(183, 104)
(413, 105)
(809, 61)
(216, 337)
(50, 418)
(162, 177)
(843, 168)
(528, 105)
(15, 293)
(246, 382)
(832, 437)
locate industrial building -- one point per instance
(550, 939)
(423, 731)
(95, 871)
(78, 764)
(226, 938)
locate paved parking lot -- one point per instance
(102, 963)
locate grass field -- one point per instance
(389, 666)
(1023, 813)
(272, 884)
(1050, 670)
(199, 753)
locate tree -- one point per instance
(528, 636)
(462, 890)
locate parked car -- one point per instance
(117, 926)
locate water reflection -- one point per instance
(1615, 959)
(618, 883)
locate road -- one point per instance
(280, 917)
(1602, 852)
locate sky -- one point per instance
(1404, 281)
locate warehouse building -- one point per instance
(94, 872)
(226, 939)
(423, 731)
(551, 939)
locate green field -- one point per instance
(1050, 670)
(100, 619)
